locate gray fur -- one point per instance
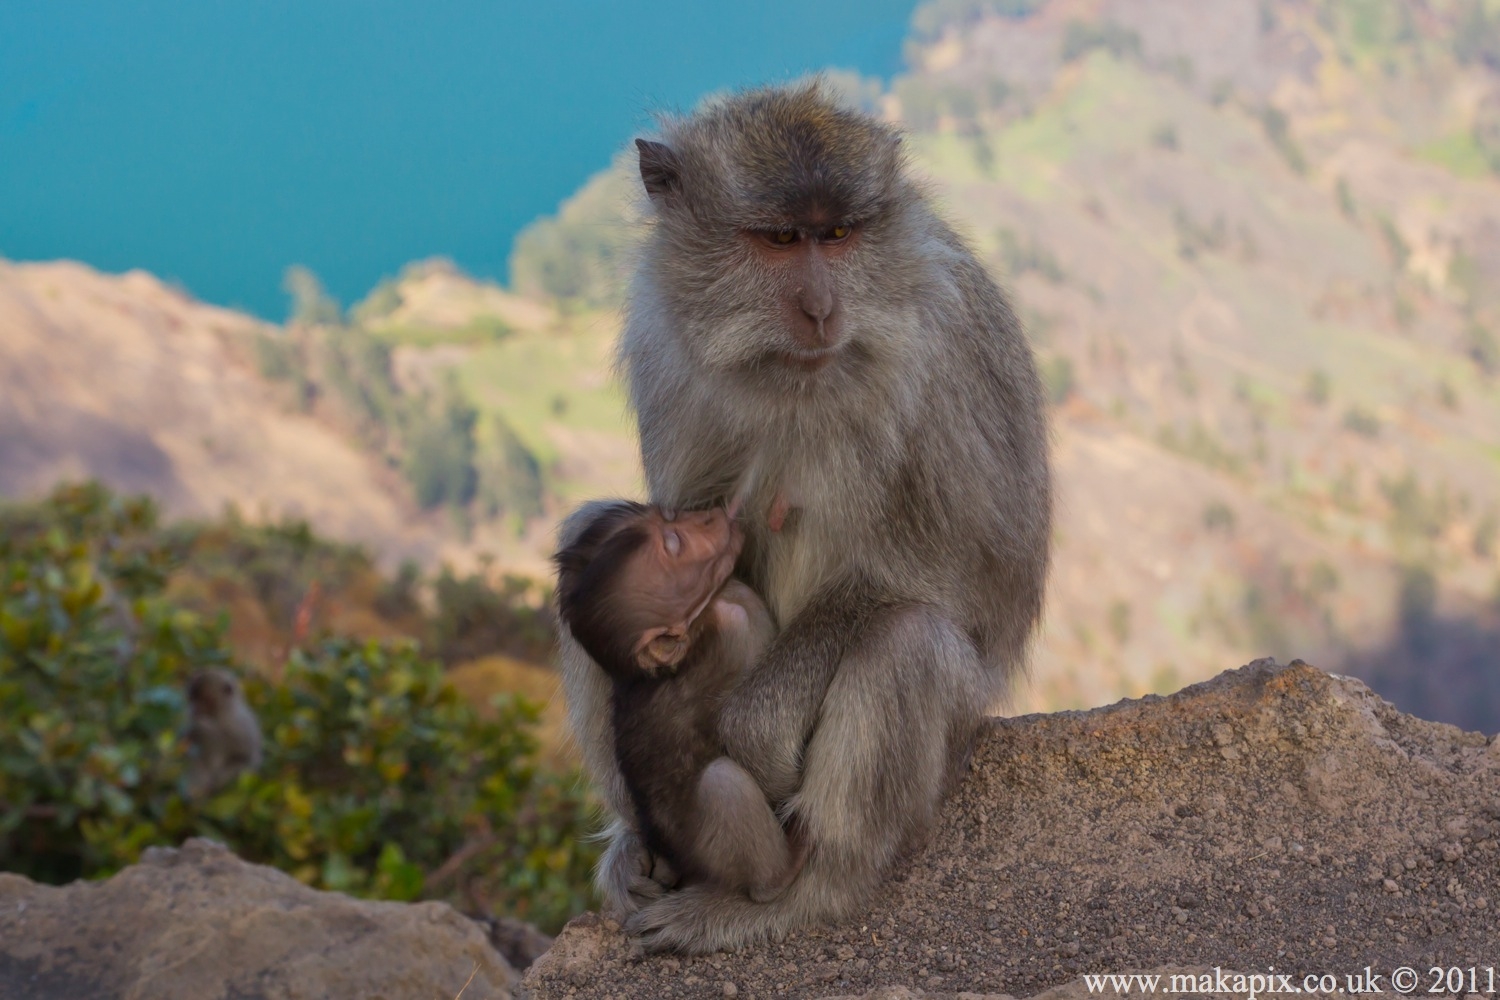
(910, 580)
(738, 835)
(223, 735)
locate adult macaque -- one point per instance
(800, 310)
(223, 734)
(650, 600)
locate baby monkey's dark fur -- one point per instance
(696, 809)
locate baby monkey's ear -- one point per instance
(661, 648)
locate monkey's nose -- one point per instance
(814, 327)
(816, 302)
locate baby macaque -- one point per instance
(223, 735)
(648, 596)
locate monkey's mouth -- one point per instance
(809, 360)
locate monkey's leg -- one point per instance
(906, 698)
(739, 841)
(769, 719)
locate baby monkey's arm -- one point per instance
(745, 622)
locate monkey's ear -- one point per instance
(660, 171)
(661, 649)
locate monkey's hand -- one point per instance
(629, 875)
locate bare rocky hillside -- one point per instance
(125, 379)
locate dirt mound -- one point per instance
(1274, 816)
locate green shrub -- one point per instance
(91, 667)
(581, 255)
(1484, 349)
(1278, 130)
(1194, 237)
(1119, 621)
(1485, 534)
(1346, 199)
(311, 303)
(1318, 387)
(1219, 516)
(1477, 38)
(475, 618)
(276, 357)
(1361, 421)
(1399, 249)
(377, 774)
(439, 461)
(383, 300)
(1416, 513)
(1202, 445)
(1082, 37)
(509, 475)
(1020, 254)
(1059, 379)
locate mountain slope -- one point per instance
(127, 380)
(1265, 310)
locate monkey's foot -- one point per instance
(629, 877)
(700, 919)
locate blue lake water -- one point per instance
(216, 143)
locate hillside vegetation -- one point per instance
(379, 778)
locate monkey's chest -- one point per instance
(807, 534)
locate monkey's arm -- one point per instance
(758, 628)
(770, 716)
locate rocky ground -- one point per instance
(1274, 816)
(197, 923)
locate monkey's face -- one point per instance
(781, 231)
(673, 576)
(802, 261)
(210, 691)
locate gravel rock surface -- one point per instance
(197, 923)
(1275, 816)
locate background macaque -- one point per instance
(651, 600)
(223, 734)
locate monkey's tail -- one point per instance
(704, 918)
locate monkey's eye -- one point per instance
(838, 232)
(784, 237)
(673, 542)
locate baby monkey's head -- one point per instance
(633, 585)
